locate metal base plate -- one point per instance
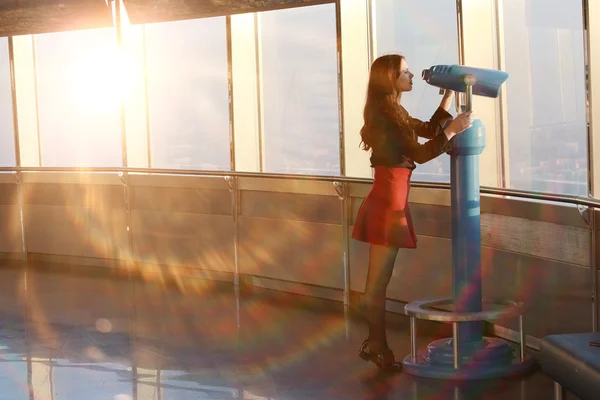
(487, 359)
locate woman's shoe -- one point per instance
(384, 360)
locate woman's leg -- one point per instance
(381, 265)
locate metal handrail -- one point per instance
(193, 172)
(495, 191)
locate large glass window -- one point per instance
(546, 107)
(188, 94)
(79, 95)
(300, 108)
(425, 33)
(7, 136)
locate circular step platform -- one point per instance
(454, 359)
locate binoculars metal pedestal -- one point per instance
(468, 354)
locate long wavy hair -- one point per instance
(381, 103)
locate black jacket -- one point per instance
(399, 146)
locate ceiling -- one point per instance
(146, 11)
(20, 17)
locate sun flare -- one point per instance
(100, 80)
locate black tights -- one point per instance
(381, 265)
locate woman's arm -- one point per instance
(408, 145)
(446, 102)
(421, 153)
(435, 125)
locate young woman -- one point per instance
(384, 219)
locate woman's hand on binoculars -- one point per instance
(459, 124)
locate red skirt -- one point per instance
(384, 215)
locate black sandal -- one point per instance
(384, 360)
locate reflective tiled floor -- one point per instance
(65, 336)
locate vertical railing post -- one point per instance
(342, 191)
(455, 344)
(522, 343)
(232, 182)
(130, 261)
(21, 204)
(593, 268)
(413, 339)
(127, 203)
(588, 214)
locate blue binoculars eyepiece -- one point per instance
(483, 82)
